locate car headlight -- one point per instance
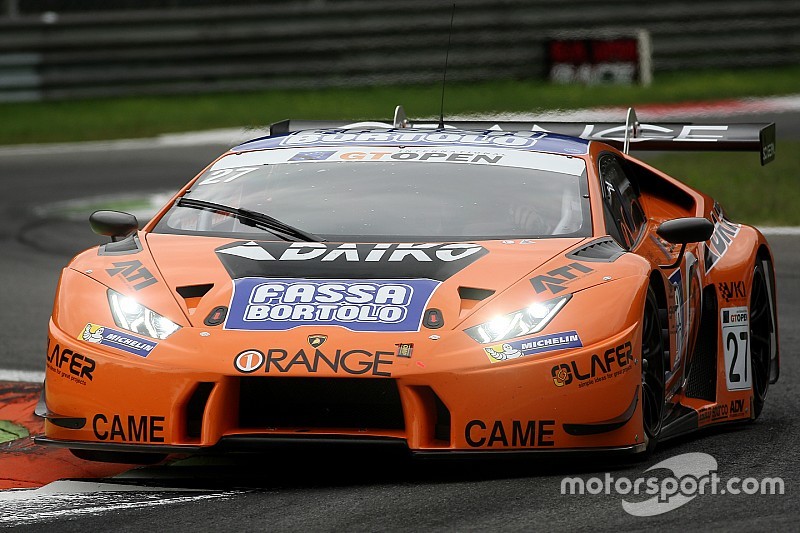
(523, 322)
(133, 316)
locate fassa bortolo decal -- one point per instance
(533, 345)
(262, 304)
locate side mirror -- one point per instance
(114, 224)
(684, 231)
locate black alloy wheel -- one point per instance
(652, 369)
(762, 337)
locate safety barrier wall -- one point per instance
(172, 48)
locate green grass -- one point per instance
(147, 116)
(749, 193)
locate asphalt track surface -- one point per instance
(347, 489)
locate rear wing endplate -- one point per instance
(627, 136)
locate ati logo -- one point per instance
(317, 340)
(732, 290)
(133, 271)
(613, 360)
(527, 433)
(136, 428)
(555, 280)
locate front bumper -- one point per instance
(432, 402)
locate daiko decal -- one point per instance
(262, 304)
(436, 261)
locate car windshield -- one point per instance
(390, 194)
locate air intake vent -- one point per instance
(192, 294)
(471, 293)
(310, 403)
(194, 291)
(702, 382)
(604, 250)
(195, 409)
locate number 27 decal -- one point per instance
(735, 337)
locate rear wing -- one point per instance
(626, 136)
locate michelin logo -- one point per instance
(117, 339)
(263, 304)
(533, 345)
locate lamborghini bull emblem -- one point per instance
(317, 340)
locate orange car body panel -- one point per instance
(517, 404)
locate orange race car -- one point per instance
(462, 287)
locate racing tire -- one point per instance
(653, 352)
(119, 457)
(762, 337)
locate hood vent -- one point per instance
(604, 250)
(192, 294)
(470, 296)
(471, 293)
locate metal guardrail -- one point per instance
(306, 44)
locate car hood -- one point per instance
(281, 285)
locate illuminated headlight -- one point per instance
(523, 322)
(133, 316)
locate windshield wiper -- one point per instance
(253, 218)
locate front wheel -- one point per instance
(762, 336)
(652, 370)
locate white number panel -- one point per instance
(736, 344)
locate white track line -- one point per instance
(780, 230)
(27, 376)
(73, 499)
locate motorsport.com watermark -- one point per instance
(693, 474)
